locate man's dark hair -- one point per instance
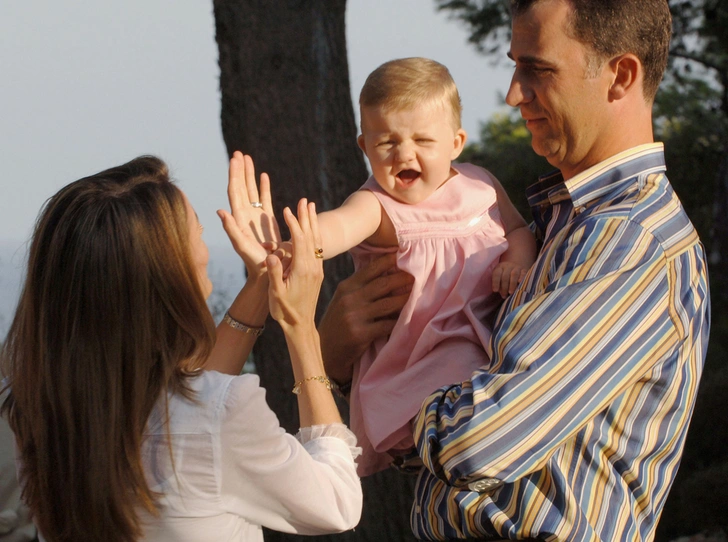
(614, 27)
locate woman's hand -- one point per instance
(292, 301)
(252, 227)
(293, 297)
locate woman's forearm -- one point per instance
(233, 346)
(316, 405)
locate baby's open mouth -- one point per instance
(408, 175)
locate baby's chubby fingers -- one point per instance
(517, 277)
(284, 252)
(513, 280)
(496, 279)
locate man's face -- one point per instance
(410, 150)
(564, 105)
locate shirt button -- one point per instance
(486, 485)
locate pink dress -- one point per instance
(450, 243)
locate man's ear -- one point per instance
(360, 142)
(628, 75)
(461, 137)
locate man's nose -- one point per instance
(518, 93)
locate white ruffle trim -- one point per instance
(335, 430)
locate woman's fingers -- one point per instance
(294, 227)
(303, 219)
(237, 195)
(233, 232)
(250, 184)
(242, 186)
(313, 219)
(249, 249)
(265, 197)
(300, 232)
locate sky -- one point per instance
(88, 85)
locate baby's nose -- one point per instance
(405, 152)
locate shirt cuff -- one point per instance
(334, 430)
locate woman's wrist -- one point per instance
(303, 339)
(251, 304)
(304, 347)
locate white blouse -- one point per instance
(236, 469)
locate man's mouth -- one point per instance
(532, 119)
(408, 176)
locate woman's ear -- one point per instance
(628, 76)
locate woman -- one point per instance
(121, 435)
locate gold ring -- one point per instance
(319, 253)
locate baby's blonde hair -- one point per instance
(408, 82)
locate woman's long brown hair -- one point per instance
(111, 318)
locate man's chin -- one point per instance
(546, 151)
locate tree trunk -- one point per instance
(284, 81)
(285, 100)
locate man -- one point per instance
(574, 429)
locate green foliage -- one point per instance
(699, 37)
(505, 150)
(688, 120)
(488, 21)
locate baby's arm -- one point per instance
(356, 220)
(521, 253)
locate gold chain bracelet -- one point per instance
(323, 379)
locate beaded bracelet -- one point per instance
(235, 324)
(323, 379)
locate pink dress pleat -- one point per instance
(450, 243)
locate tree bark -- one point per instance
(284, 81)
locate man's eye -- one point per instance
(540, 70)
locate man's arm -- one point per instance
(560, 357)
(365, 307)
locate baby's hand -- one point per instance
(284, 251)
(506, 277)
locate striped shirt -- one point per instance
(580, 417)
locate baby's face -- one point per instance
(410, 150)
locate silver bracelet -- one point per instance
(235, 324)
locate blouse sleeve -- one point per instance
(307, 486)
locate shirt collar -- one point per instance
(598, 179)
